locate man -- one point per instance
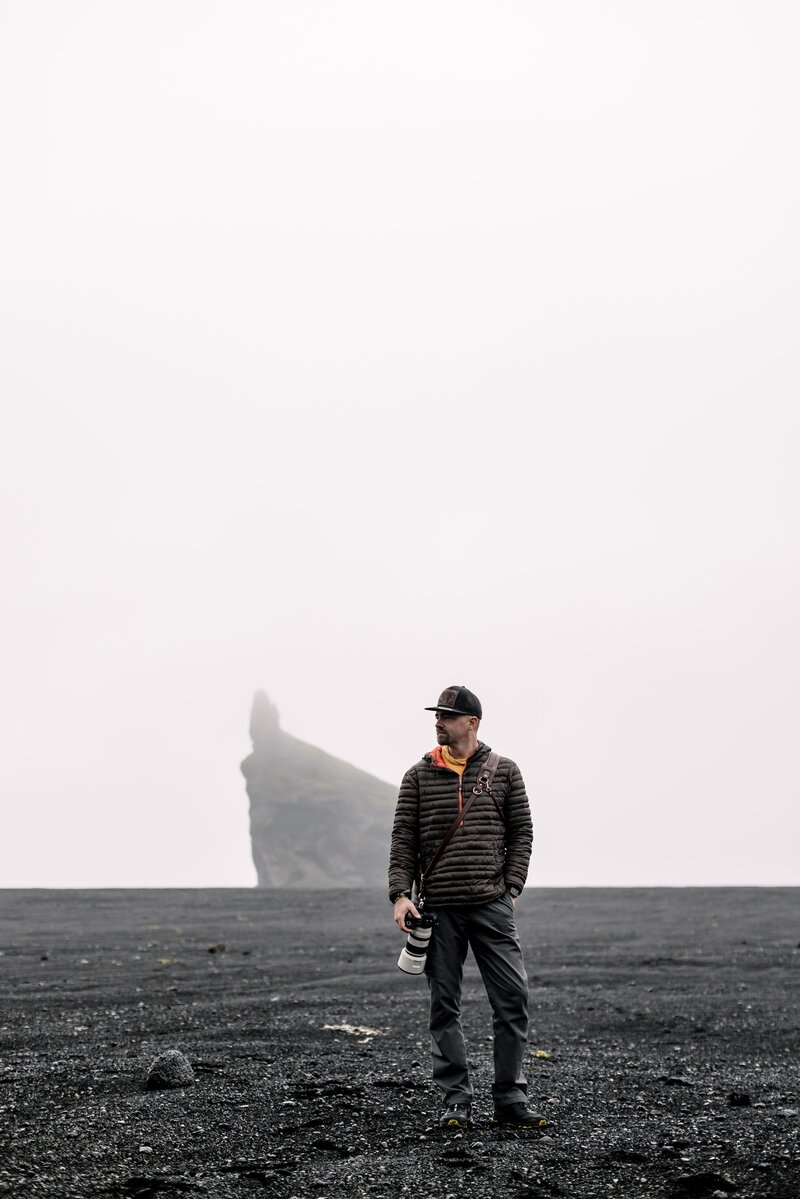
(472, 889)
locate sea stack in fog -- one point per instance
(315, 821)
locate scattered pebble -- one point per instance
(169, 1070)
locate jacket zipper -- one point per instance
(460, 791)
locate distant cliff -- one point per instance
(315, 821)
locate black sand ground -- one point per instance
(650, 1010)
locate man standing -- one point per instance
(472, 890)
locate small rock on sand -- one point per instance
(169, 1070)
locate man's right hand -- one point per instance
(402, 906)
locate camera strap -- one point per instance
(482, 787)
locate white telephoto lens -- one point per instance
(411, 963)
(413, 954)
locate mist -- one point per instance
(351, 353)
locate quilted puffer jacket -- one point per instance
(488, 853)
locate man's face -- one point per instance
(451, 727)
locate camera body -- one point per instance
(414, 952)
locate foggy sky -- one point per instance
(353, 351)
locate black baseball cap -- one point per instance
(460, 701)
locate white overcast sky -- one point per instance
(353, 350)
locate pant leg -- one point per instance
(444, 970)
(494, 941)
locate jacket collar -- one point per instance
(434, 756)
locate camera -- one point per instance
(413, 954)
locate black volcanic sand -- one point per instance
(650, 1010)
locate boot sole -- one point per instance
(516, 1124)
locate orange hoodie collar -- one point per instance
(437, 757)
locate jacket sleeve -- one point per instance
(404, 853)
(519, 830)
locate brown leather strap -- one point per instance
(482, 787)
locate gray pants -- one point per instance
(489, 930)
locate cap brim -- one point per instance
(455, 711)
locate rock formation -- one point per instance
(315, 821)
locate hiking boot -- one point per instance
(518, 1115)
(456, 1115)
